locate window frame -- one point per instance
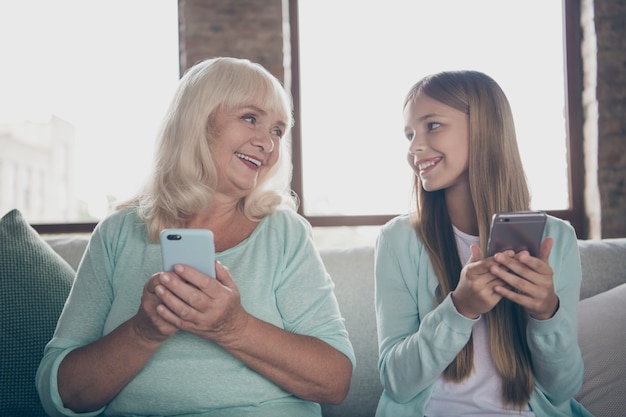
(573, 88)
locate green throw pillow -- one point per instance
(34, 283)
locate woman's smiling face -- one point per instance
(246, 145)
(439, 143)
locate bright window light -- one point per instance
(358, 60)
(84, 86)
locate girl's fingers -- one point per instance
(545, 249)
(531, 280)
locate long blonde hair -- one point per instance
(183, 177)
(497, 184)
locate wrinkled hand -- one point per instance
(475, 293)
(529, 279)
(147, 323)
(209, 308)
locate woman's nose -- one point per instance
(265, 143)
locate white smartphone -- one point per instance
(193, 247)
(520, 230)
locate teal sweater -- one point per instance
(281, 278)
(417, 339)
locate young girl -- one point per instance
(461, 334)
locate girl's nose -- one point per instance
(415, 145)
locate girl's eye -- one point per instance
(433, 125)
(409, 136)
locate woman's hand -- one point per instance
(529, 279)
(475, 293)
(148, 323)
(209, 308)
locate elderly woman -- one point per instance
(265, 337)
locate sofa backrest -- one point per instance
(603, 261)
(353, 273)
(603, 264)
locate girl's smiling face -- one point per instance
(245, 147)
(439, 143)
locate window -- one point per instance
(58, 49)
(353, 62)
(81, 102)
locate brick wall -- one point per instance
(250, 29)
(610, 28)
(254, 29)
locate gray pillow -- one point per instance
(602, 340)
(34, 283)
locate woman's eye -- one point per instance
(250, 119)
(433, 125)
(409, 136)
(278, 132)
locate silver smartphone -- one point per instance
(520, 230)
(193, 247)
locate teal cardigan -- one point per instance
(281, 279)
(418, 339)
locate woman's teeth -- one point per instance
(249, 159)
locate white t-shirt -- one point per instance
(481, 393)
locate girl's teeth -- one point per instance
(426, 165)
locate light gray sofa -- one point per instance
(602, 322)
(36, 275)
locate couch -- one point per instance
(46, 266)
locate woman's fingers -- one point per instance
(208, 307)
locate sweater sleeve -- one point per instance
(305, 291)
(553, 343)
(81, 322)
(414, 350)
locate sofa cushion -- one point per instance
(602, 340)
(34, 283)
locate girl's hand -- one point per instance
(529, 279)
(475, 293)
(207, 307)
